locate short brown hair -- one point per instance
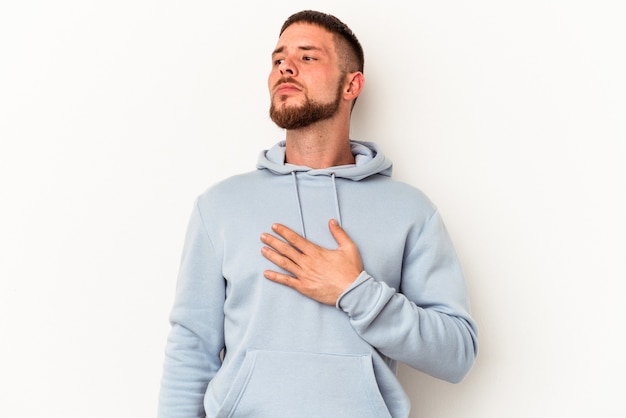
(348, 46)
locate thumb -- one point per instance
(339, 234)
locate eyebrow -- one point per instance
(281, 49)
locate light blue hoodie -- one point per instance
(243, 346)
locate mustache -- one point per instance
(287, 80)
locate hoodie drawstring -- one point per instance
(332, 176)
(297, 192)
(295, 185)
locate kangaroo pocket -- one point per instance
(293, 384)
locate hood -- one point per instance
(368, 161)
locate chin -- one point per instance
(286, 101)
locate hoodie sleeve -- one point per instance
(427, 323)
(192, 353)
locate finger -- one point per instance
(280, 260)
(283, 279)
(339, 234)
(292, 237)
(280, 246)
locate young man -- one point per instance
(353, 271)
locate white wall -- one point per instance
(115, 115)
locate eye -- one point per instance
(278, 61)
(307, 58)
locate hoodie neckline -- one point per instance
(368, 161)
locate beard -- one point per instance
(296, 117)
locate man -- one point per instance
(353, 271)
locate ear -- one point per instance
(355, 82)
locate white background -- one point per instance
(115, 115)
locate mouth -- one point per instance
(285, 87)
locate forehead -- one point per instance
(306, 35)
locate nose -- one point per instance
(286, 67)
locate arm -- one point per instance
(425, 324)
(192, 353)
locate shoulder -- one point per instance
(233, 189)
(401, 194)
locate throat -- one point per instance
(318, 155)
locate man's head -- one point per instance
(316, 70)
(346, 43)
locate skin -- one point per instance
(305, 64)
(306, 54)
(316, 272)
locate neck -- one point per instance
(320, 145)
